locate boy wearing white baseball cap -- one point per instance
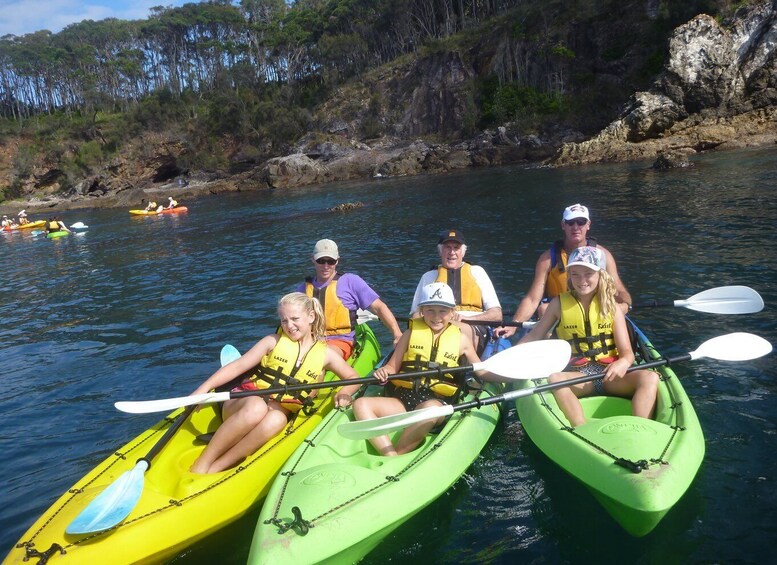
(432, 341)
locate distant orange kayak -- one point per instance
(175, 210)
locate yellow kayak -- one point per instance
(177, 507)
(27, 226)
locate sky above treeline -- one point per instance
(19, 17)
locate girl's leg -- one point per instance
(567, 397)
(415, 434)
(240, 417)
(370, 407)
(274, 421)
(643, 403)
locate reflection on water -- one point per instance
(139, 308)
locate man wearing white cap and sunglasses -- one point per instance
(550, 274)
(341, 295)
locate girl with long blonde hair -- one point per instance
(588, 318)
(296, 354)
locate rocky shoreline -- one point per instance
(718, 91)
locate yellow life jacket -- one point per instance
(465, 289)
(589, 333)
(339, 319)
(556, 283)
(425, 352)
(279, 368)
(54, 226)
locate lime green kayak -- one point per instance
(637, 468)
(336, 499)
(56, 234)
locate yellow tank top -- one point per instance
(279, 368)
(425, 352)
(465, 289)
(339, 320)
(589, 333)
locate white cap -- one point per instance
(590, 257)
(575, 211)
(325, 248)
(437, 294)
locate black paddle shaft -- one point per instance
(347, 382)
(477, 403)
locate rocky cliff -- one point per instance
(718, 89)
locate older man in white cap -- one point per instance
(550, 274)
(341, 295)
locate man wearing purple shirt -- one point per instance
(341, 295)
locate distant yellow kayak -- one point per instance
(27, 226)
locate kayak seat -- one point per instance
(605, 406)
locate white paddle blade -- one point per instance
(738, 346)
(364, 316)
(725, 300)
(365, 429)
(532, 360)
(167, 404)
(112, 505)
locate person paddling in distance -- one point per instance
(23, 218)
(171, 203)
(550, 273)
(7, 223)
(152, 205)
(341, 295)
(55, 224)
(590, 320)
(472, 289)
(433, 340)
(296, 355)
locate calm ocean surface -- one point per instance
(138, 308)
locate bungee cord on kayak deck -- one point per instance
(642, 464)
(388, 479)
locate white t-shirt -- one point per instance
(490, 299)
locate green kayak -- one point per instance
(637, 468)
(336, 499)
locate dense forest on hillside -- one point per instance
(251, 74)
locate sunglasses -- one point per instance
(578, 221)
(326, 261)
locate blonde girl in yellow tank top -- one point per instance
(249, 422)
(603, 346)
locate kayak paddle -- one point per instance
(737, 346)
(115, 503)
(363, 316)
(720, 300)
(527, 361)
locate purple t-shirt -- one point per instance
(353, 291)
